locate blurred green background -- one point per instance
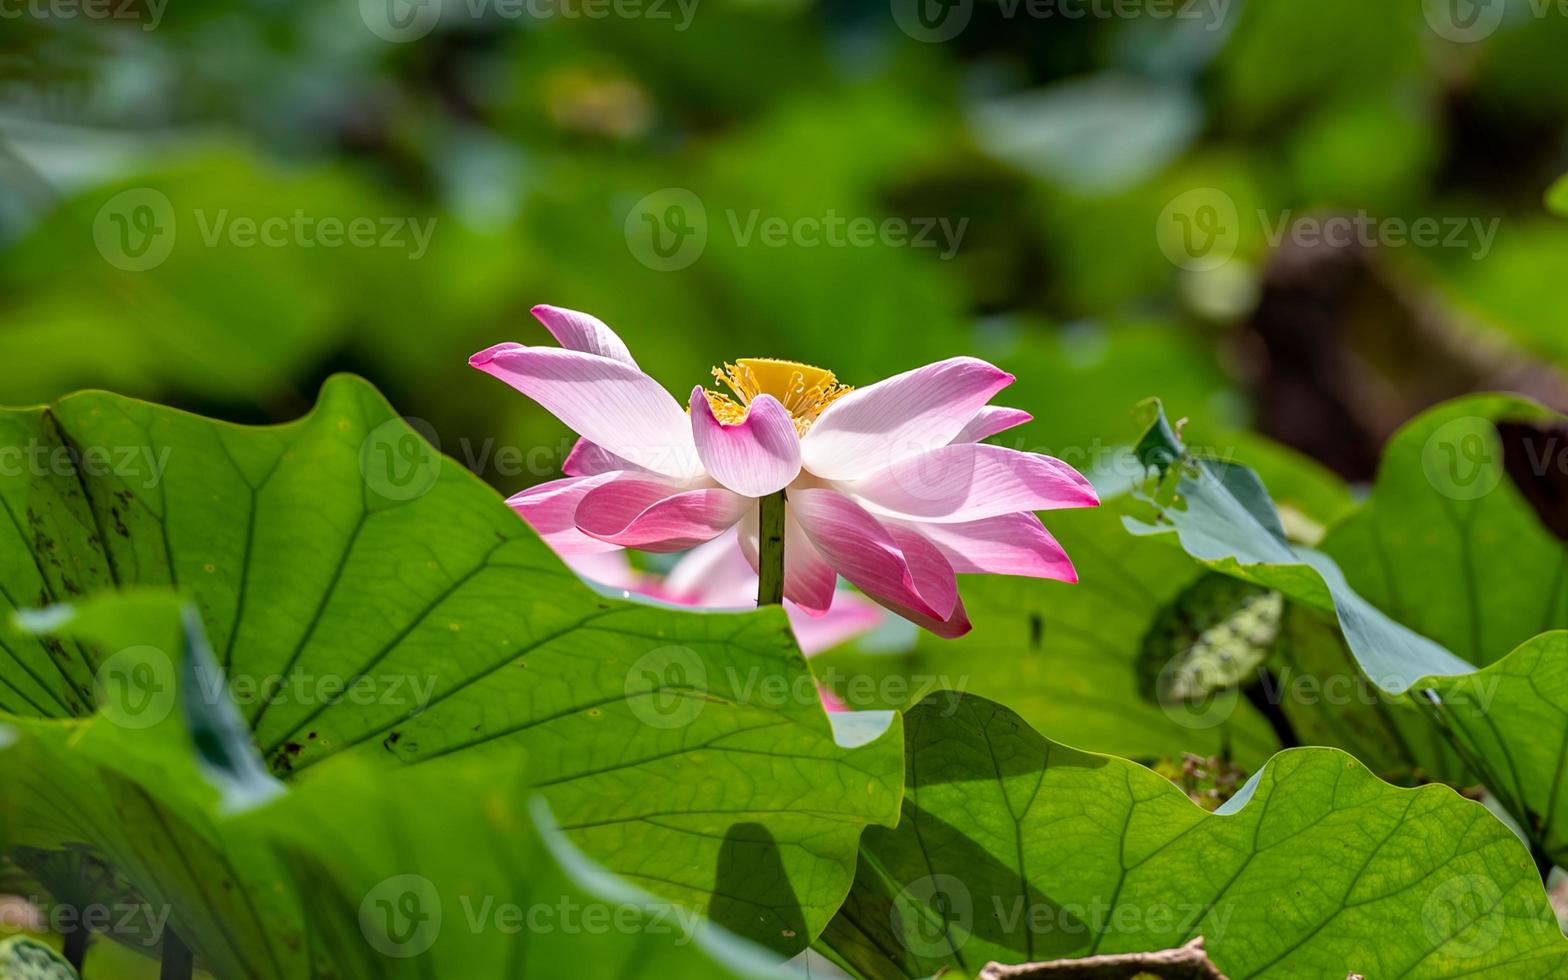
(1091, 194)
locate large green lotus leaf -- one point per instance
(1015, 848)
(491, 888)
(1505, 724)
(330, 870)
(1062, 655)
(368, 598)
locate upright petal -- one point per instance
(910, 413)
(609, 403)
(759, 456)
(634, 512)
(1008, 544)
(989, 421)
(970, 481)
(583, 332)
(551, 509)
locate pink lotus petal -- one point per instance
(969, 481)
(609, 568)
(910, 413)
(586, 459)
(551, 509)
(583, 332)
(759, 456)
(850, 616)
(636, 512)
(933, 575)
(747, 532)
(715, 573)
(609, 403)
(858, 547)
(809, 581)
(1009, 544)
(989, 421)
(830, 701)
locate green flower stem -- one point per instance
(770, 551)
(178, 964)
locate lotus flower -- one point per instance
(716, 575)
(887, 485)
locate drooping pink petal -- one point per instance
(933, 575)
(583, 332)
(910, 413)
(850, 616)
(586, 459)
(651, 515)
(551, 509)
(809, 581)
(1008, 544)
(858, 548)
(609, 403)
(950, 628)
(759, 456)
(970, 481)
(989, 421)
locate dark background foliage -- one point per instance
(1059, 145)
